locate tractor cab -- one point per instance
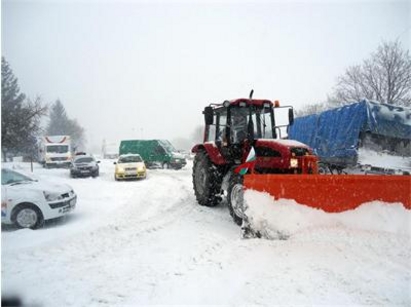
(235, 125)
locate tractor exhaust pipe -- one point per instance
(251, 94)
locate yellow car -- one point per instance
(130, 166)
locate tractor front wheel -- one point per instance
(235, 199)
(206, 181)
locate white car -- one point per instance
(27, 203)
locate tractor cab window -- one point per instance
(222, 126)
(282, 121)
(238, 126)
(265, 123)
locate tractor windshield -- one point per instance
(261, 125)
(267, 122)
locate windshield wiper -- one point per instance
(21, 182)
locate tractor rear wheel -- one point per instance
(235, 199)
(206, 181)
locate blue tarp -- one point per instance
(335, 134)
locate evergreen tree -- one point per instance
(20, 117)
(58, 120)
(61, 124)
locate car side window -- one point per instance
(160, 150)
(8, 177)
(5, 177)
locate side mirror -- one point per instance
(290, 116)
(208, 115)
(114, 162)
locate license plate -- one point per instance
(66, 209)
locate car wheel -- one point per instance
(28, 216)
(166, 165)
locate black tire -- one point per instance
(206, 181)
(323, 169)
(166, 165)
(27, 216)
(235, 199)
(96, 174)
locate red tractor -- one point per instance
(238, 129)
(234, 130)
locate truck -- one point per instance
(256, 154)
(110, 150)
(155, 153)
(55, 151)
(364, 136)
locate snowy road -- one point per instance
(148, 242)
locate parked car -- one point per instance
(27, 203)
(84, 165)
(130, 166)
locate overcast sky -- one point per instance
(132, 69)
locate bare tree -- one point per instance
(312, 109)
(384, 77)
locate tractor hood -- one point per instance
(280, 144)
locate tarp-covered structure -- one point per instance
(335, 135)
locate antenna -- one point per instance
(251, 94)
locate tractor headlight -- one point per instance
(293, 163)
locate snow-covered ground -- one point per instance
(148, 243)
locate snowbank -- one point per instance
(280, 219)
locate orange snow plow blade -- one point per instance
(333, 193)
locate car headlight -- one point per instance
(120, 170)
(52, 196)
(293, 163)
(141, 169)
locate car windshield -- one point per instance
(84, 160)
(167, 145)
(12, 177)
(128, 159)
